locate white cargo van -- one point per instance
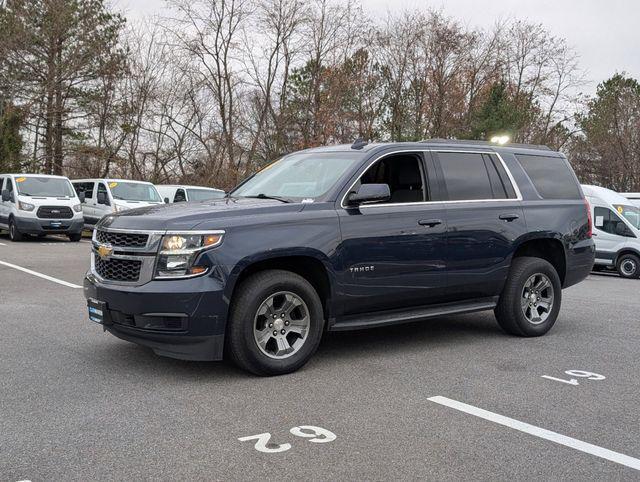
(106, 196)
(616, 231)
(175, 194)
(37, 204)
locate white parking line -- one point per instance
(40, 275)
(2, 244)
(540, 432)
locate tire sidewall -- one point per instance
(14, 234)
(539, 267)
(635, 260)
(243, 319)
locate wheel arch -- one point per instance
(547, 247)
(623, 251)
(311, 264)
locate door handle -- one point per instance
(429, 222)
(509, 217)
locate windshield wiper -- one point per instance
(265, 196)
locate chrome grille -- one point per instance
(124, 240)
(114, 269)
(54, 212)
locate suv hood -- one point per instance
(187, 216)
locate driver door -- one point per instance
(393, 253)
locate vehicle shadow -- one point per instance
(452, 330)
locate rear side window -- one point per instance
(551, 176)
(85, 187)
(180, 196)
(474, 176)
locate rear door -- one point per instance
(484, 220)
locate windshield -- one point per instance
(133, 191)
(44, 186)
(204, 194)
(630, 213)
(303, 175)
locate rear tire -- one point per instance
(75, 238)
(530, 302)
(628, 266)
(14, 234)
(252, 320)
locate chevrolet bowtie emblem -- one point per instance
(104, 251)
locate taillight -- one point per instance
(589, 219)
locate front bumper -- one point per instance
(182, 319)
(49, 226)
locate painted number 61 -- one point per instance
(576, 373)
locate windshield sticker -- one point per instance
(21, 179)
(307, 201)
(113, 184)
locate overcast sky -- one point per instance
(605, 33)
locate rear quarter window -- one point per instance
(551, 176)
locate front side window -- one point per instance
(403, 174)
(609, 222)
(204, 194)
(551, 176)
(304, 175)
(134, 191)
(44, 186)
(85, 187)
(630, 213)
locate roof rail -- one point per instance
(486, 143)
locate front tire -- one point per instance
(530, 302)
(14, 234)
(276, 323)
(628, 266)
(75, 238)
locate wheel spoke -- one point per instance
(283, 345)
(299, 326)
(264, 336)
(543, 284)
(545, 305)
(291, 303)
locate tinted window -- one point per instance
(609, 222)
(103, 189)
(180, 196)
(403, 175)
(466, 176)
(85, 187)
(551, 176)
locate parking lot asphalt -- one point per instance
(79, 404)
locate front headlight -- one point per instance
(77, 208)
(179, 251)
(23, 206)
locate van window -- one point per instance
(551, 176)
(472, 176)
(102, 189)
(204, 194)
(85, 187)
(180, 196)
(609, 222)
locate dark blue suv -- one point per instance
(342, 238)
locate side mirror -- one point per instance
(82, 196)
(166, 200)
(6, 195)
(622, 230)
(103, 199)
(368, 193)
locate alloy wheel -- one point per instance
(537, 298)
(281, 325)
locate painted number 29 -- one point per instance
(316, 435)
(576, 373)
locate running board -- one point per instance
(417, 314)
